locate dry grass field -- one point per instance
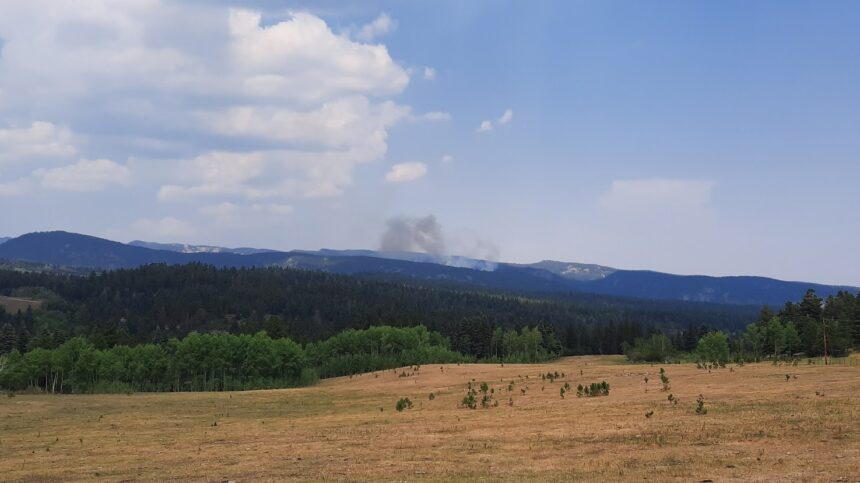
(759, 427)
(12, 304)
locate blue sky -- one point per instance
(689, 137)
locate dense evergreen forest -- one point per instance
(154, 303)
(195, 327)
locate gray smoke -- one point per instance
(408, 234)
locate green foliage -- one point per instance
(656, 348)
(713, 348)
(215, 362)
(356, 351)
(804, 327)
(700, 405)
(470, 400)
(403, 403)
(664, 379)
(593, 390)
(154, 303)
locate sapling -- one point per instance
(664, 379)
(700, 405)
(649, 414)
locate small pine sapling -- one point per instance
(700, 405)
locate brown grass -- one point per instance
(759, 427)
(12, 304)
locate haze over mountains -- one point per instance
(63, 249)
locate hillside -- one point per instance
(155, 302)
(64, 249)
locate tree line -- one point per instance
(155, 303)
(812, 327)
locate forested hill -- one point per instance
(155, 302)
(71, 251)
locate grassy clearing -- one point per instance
(759, 427)
(13, 304)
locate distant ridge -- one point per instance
(183, 248)
(71, 250)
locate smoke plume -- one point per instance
(410, 234)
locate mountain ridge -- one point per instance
(65, 249)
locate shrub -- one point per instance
(593, 390)
(700, 405)
(713, 348)
(664, 379)
(403, 403)
(657, 348)
(672, 399)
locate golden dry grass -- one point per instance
(759, 427)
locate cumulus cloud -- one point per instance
(429, 73)
(447, 158)
(486, 126)
(292, 106)
(656, 196)
(405, 172)
(506, 117)
(85, 175)
(407, 234)
(218, 173)
(37, 141)
(302, 59)
(381, 25)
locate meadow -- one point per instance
(14, 304)
(758, 422)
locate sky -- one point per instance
(690, 137)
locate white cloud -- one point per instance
(37, 141)
(429, 73)
(657, 196)
(312, 103)
(382, 25)
(85, 175)
(405, 172)
(302, 59)
(346, 122)
(221, 210)
(218, 173)
(486, 126)
(506, 117)
(447, 158)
